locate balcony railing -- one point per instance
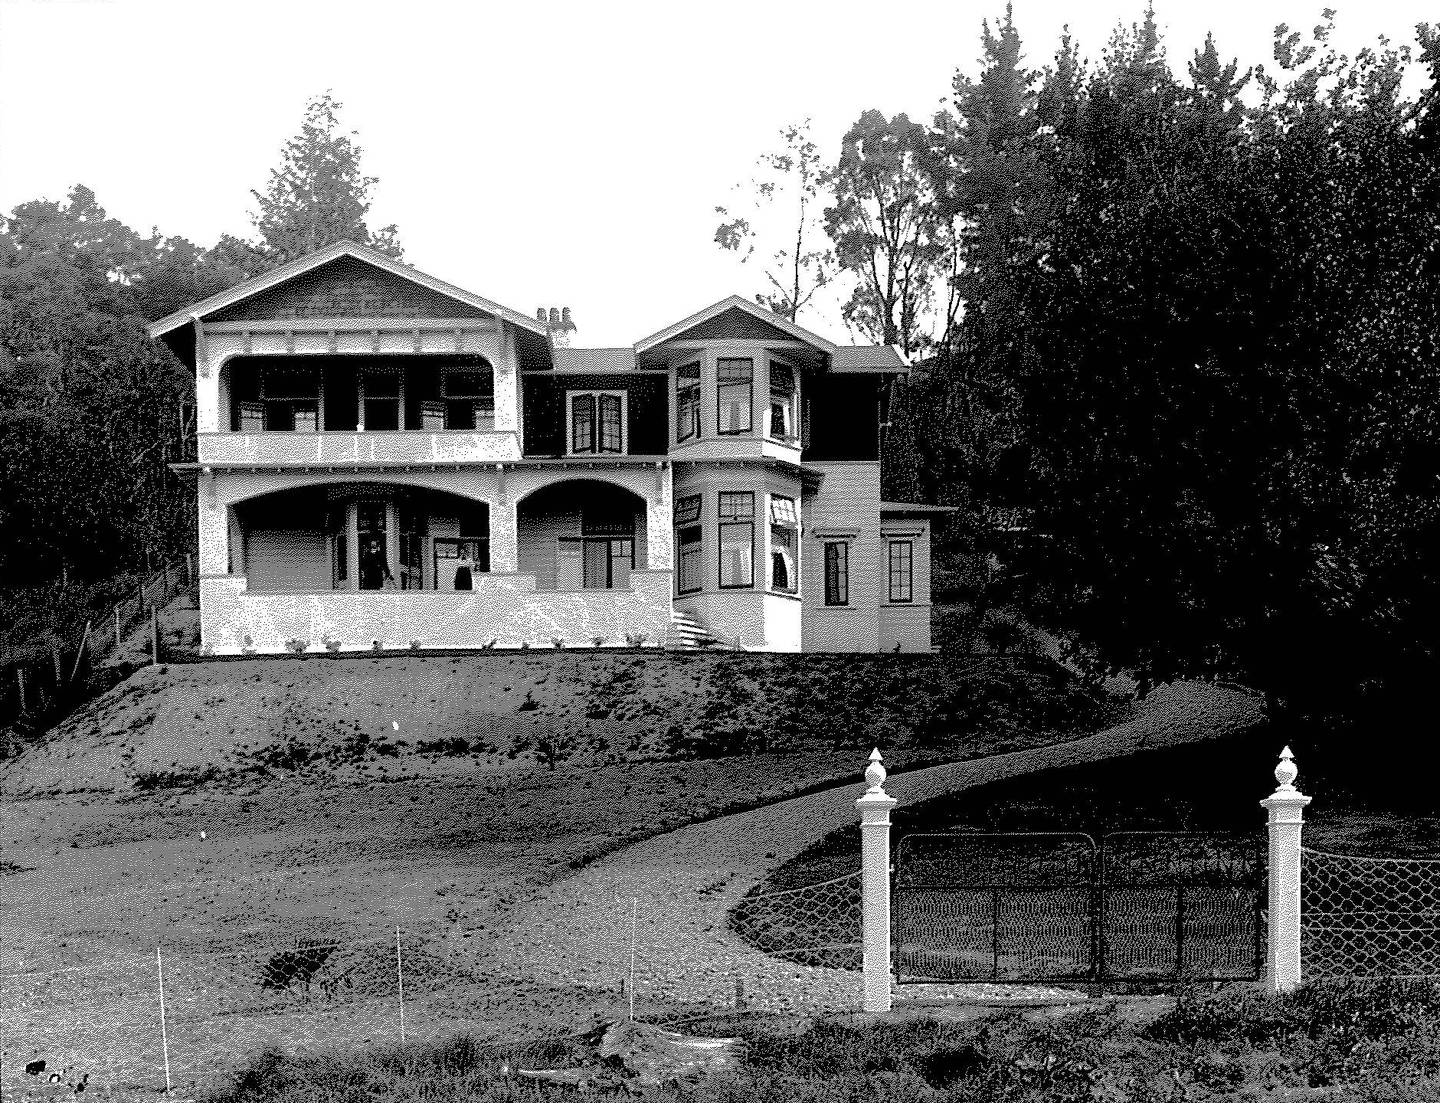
(372, 447)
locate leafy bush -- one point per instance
(1005, 631)
(298, 646)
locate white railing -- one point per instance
(369, 447)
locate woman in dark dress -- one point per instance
(464, 573)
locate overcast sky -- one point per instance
(556, 154)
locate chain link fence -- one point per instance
(1369, 917)
(818, 924)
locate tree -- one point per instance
(882, 225)
(317, 196)
(790, 178)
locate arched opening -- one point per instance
(359, 536)
(581, 534)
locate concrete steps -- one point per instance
(688, 634)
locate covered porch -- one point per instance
(354, 566)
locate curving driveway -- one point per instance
(578, 931)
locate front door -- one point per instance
(374, 562)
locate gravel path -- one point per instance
(577, 931)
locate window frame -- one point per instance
(785, 518)
(837, 582)
(686, 391)
(363, 397)
(480, 399)
(290, 402)
(748, 428)
(598, 403)
(893, 545)
(690, 556)
(736, 518)
(792, 404)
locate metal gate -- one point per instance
(1066, 908)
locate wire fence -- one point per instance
(818, 924)
(38, 690)
(1369, 917)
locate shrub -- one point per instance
(1004, 631)
(298, 646)
(557, 642)
(635, 639)
(414, 645)
(529, 704)
(330, 645)
(598, 641)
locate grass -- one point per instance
(1367, 1043)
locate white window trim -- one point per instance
(792, 441)
(570, 397)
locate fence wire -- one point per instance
(1369, 917)
(818, 924)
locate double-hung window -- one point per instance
(837, 572)
(737, 539)
(689, 540)
(734, 395)
(782, 402)
(784, 545)
(687, 402)
(597, 422)
(902, 581)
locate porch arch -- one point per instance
(365, 534)
(582, 533)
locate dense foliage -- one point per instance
(1181, 330)
(90, 407)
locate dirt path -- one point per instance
(683, 883)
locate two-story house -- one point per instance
(386, 460)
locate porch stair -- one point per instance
(688, 634)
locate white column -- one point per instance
(1286, 814)
(875, 807)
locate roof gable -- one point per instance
(734, 319)
(344, 277)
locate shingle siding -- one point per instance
(346, 288)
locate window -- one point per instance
(468, 400)
(610, 424)
(432, 416)
(784, 539)
(737, 539)
(597, 422)
(901, 571)
(692, 559)
(582, 423)
(782, 401)
(380, 399)
(837, 572)
(594, 563)
(734, 395)
(689, 539)
(280, 399)
(687, 402)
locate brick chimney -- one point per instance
(558, 324)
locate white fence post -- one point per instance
(875, 807)
(1286, 814)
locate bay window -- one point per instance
(784, 542)
(737, 539)
(782, 401)
(734, 395)
(689, 539)
(687, 402)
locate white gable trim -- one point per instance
(310, 261)
(732, 303)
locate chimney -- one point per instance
(558, 324)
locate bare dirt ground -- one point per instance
(233, 808)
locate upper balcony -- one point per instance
(347, 410)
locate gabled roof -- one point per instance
(301, 265)
(735, 302)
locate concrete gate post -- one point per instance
(875, 807)
(1285, 808)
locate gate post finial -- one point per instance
(1285, 815)
(874, 806)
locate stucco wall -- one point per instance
(906, 625)
(504, 608)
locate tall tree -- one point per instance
(789, 184)
(318, 195)
(882, 225)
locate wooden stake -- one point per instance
(400, 983)
(117, 628)
(164, 1034)
(59, 670)
(80, 651)
(20, 681)
(154, 635)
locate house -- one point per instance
(386, 460)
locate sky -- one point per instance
(556, 154)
